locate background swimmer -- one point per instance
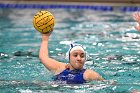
(136, 16)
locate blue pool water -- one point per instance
(112, 44)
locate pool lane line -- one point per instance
(64, 6)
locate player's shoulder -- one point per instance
(90, 71)
(90, 75)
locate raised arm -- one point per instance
(49, 63)
(136, 16)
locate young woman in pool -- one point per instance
(71, 73)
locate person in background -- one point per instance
(136, 16)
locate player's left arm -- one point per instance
(90, 75)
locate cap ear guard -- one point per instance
(68, 52)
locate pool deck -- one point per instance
(75, 2)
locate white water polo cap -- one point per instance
(73, 47)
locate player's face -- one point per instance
(77, 59)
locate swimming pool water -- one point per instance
(111, 42)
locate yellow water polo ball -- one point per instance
(43, 22)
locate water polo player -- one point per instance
(71, 73)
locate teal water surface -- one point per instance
(111, 42)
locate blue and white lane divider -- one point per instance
(59, 6)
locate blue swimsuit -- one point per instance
(71, 76)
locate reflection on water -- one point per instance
(112, 44)
(39, 86)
